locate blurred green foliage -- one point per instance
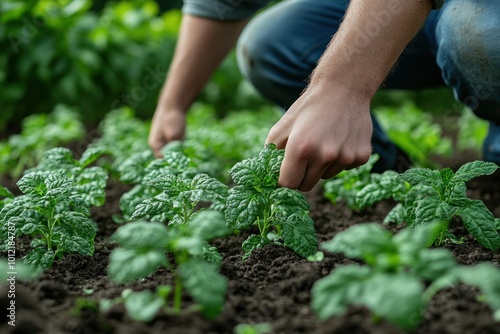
(62, 52)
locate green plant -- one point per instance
(140, 305)
(400, 277)
(179, 198)
(88, 181)
(39, 133)
(281, 214)
(448, 198)
(346, 185)
(140, 170)
(55, 207)
(144, 247)
(418, 136)
(169, 188)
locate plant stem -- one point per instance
(177, 294)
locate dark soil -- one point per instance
(272, 286)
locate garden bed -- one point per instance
(272, 286)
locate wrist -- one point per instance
(348, 85)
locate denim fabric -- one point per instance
(458, 46)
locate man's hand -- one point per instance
(328, 129)
(324, 132)
(167, 125)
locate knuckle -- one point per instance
(347, 159)
(363, 157)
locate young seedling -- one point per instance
(448, 198)
(51, 211)
(141, 306)
(281, 214)
(400, 277)
(89, 182)
(346, 185)
(144, 247)
(179, 197)
(55, 207)
(155, 206)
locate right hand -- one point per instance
(167, 125)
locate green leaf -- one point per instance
(126, 265)
(58, 158)
(425, 176)
(14, 209)
(459, 190)
(433, 264)
(286, 202)
(361, 241)
(206, 188)
(33, 184)
(243, 207)
(205, 285)
(209, 224)
(474, 169)
(396, 215)
(371, 194)
(4, 192)
(271, 158)
(90, 155)
(143, 305)
(175, 160)
(194, 246)
(40, 258)
(248, 173)
(332, 294)
(396, 297)
(141, 235)
(432, 209)
(411, 241)
(480, 222)
(150, 208)
(299, 234)
(170, 185)
(253, 242)
(29, 228)
(133, 169)
(75, 244)
(212, 255)
(484, 276)
(79, 224)
(446, 175)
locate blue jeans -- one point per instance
(458, 46)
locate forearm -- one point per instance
(368, 43)
(201, 46)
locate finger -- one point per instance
(292, 170)
(277, 135)
(312, 176)
(332, 171)
(156, 142)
